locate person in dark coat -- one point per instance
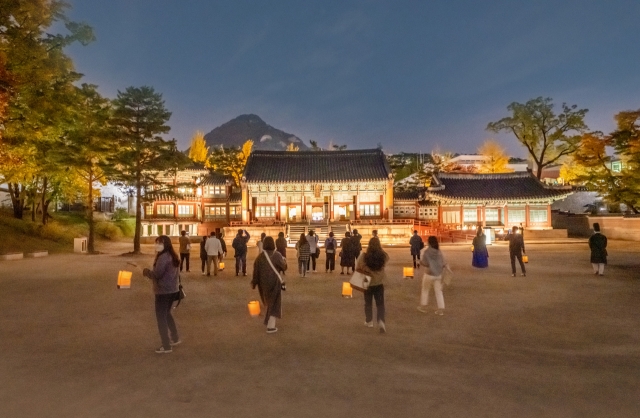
(480, 257)
(416, 244)
(357, 243)
(330, 246)
(598, 246)
(269, 282)
(203, 254)
(348, 253)
(516, 249)
(281, 244)
(239, 244)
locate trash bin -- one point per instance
(490, 234)
(80, 245)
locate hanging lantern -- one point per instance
(407, 272)
(472, 248)
(254, 308)
(347, 292)
(525, 258)
(221, 266)
(124, 279)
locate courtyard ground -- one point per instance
(560, 342)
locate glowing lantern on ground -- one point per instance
(124, 279)
(525, 258)
(221, 266)
(407, 272)
(472, 248)
(347, 292)
(254, 308)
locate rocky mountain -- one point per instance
(264, 136)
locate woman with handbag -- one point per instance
(266, 275)
(480, 257)
(304, 252)
(371, 263)
(165, 277)
(433, 260)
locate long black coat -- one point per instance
(268, 282)
(598, 245)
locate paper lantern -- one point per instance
(221, 266)
(407, 272)
(347, 292)
(525, 258)
(254, 308)
(124, 279)
(472, 248)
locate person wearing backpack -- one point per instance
(416, 245)
(239, 244)
(330, 245)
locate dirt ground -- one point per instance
(560, 342)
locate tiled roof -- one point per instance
(412, 195)
(214, 178)
(316, 166)
(235, 197)
(519, 186)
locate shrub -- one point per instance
(127, 226)
(120, 214)
(55, 232)
(108, 230)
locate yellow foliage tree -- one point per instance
(572, 171)
(495, 158)
(199, 151)
(231, 161)
(293, 147)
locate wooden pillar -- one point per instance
(356, 203)
(506, 216)
(439, 214)
(303, 210)
(245, 203)
(278, 214)
(526, 215)
(461, 215)
(331, 218)
(549, 224)
(388, 193)
(483, 215)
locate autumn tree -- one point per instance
(198, 150)
(547, 136)
(495, 158)
(140, 118)
(231, 161)
(292, 147)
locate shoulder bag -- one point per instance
(283, 285)
(360, 281)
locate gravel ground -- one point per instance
(560, 342)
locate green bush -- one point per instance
(108, 230)
(127, 226)
(55, 232)
(120, 214)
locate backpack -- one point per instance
(330, 246)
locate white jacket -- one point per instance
(213, 247)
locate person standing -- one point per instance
(203, 254)
(185, 249)
(372, 263)
(165, 277)
(357, 243)
(516, 249)
(214, 250)
(480, 256)
(281, 245)
(347, 254)
(266, 276)
(416, 246)
(374, 234)
(433, 260)
(598, 246)
(223, 244)
(330, 245)
(302, 246)
(312, 239)
(239, 244)
(260, 243)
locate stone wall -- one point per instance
(618, 227)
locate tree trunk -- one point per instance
(33, 206)
(91, 240)
(136, 237)
(539, 172)
(43, 200)
(17, 200)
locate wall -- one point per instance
(618, 227)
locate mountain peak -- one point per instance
(249, 126)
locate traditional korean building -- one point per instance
(321, 186)
(499, 200)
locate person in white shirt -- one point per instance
(213, 247)
(312, 239)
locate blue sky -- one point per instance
(411, 75)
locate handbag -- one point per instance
(317, 252)
(180, 294)
(360, 281)
(525, 258)
(283, 285)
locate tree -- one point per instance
(199, 151)
(140, 118)
(315, 146)
(35, 83)
(231, 161)
(572, 171)
(89, 146)
(337, 147)
(496, 160)
(293, 147)
(546, 136)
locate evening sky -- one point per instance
(410, 75)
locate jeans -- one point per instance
(416, 256)
(330, 264)
(302, 267)
(312, 260)
(184, 256)
(241, 262)
(212, 259)
(166, 324)
(372, 292)
(427, 283)
(204, 263)
(513, 257)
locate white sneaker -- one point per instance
(272, 330)
(423, 309)
(204, 274)
(383, 329)
(439, 312)
(369, 324)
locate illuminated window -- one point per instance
(215, 211)
(471, 215)
(216, 190)
(265, 211)
(491, 215)
(148, 210)
(516, 216)
(369, 210)
(164, 209)
(537, 215)
(185, 209)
